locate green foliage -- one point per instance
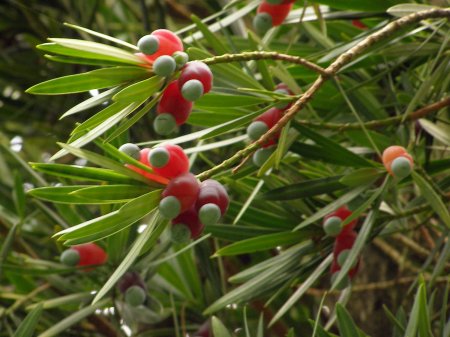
(260, 269)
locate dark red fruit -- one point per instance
(211, 191)
(190, 219)
(343, 242)
(169, 43)
(177, 162)
(196, 70)
(277, 12)
(90, 254)
(130, 279)
(343, 213)
(173, 103)
(358, 24)
(185, 188)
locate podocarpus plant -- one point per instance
(328, 154)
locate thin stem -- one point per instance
(265, 55)
(383, 122)
(337, 65)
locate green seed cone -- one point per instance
(164, 66)
(332, 226)
(170, 207)
(180, 233)
(256, 129)
(158, 157)
(262, 23)
(135, 296)
(131, 150)
(148, 44)
(209, 214)
(192, 90)
(164, 124)
(70, 257)
(401, 167)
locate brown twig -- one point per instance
(265, 55)
(380, 123)
(375, 285)
(332, 70)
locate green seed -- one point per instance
(170, 207)
(256, 129)
(209, 214)
(180, 233)
(164, 124)
(262, 23)
(343, 255)
(261, 156)
(135, 296)
(70, 257)
(158, 157)
(401, 167)
(332, 226)
(131, 150)
(148, 44)
(192, 90)
(164, 66)
(181, 58)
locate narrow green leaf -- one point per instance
(115, 221)
(61, 194)
(19, 195)
(342, 200)
(218, 329)
(305, 189)
(82, 173)
(98, 130)
(302, 288)
(406, 9)
(77, 316)
(213, 41)
(432, 197)
(139, 91)
(263, 242)
(95, 79)
(62, 301)
(103, 36)
(347, 326)
(28, 325)
(99, 49)
(329, 145)
(91, 102)
(55, 48)
(233, 101)
(112, 193)
(414, 316)
(441, 132)
(362, 176)
(145, 236)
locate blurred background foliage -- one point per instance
(408, 71)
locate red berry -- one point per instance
(277, 12)
(143, 158)
(173, 102)
(358, 24)
(190, 219)
(90, 254)
(393, 152)
(175, 160)
(196, 70)
(211, 191)
(270, 118)
(169, 43)
(343, 213)
(185, 188)
(343, 242)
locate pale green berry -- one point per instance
(256, 129)
(332, 226)
(131, 150)
(209, 214)
(262, 23)
(192, 90)
(181, 58)
(158, 157)
(148, 44)
(135, 296)
(164, 66)
(343, 255)
(261, 156)
(70, 257)
(164, 124)
(170, 207)
(401, 167)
